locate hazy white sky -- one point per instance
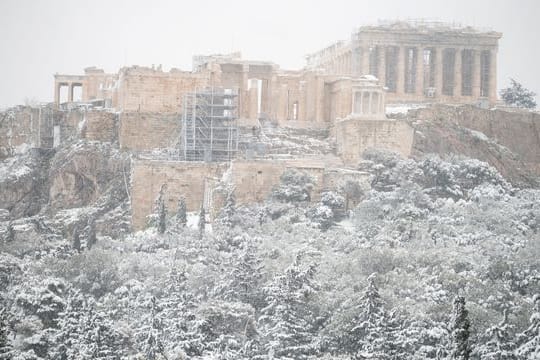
(39, 38)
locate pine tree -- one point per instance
(6, 352)
(181, 213)
(202, 222)
(288, 323)
(84, 333)
(154, 347)
(497, 344)
(91, 234)
(229, 210)
(245, 279)
(76, 242)
(370, 332)
(161, 211)
(10, 233)
(461, 349)
(180, 326)
(530, 339)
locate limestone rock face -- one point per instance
(82, 173)
(509, 141)
(24, 184)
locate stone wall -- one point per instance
(149, 90)
(147, 131)
(253, 182)
(17, 127)
(354, 136)
(181, 178)
(101, 126)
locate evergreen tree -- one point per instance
(288, 323)
(497, 344)
(10, 233)
(76, 239)
(519, 96)
(461, 349)
(161, 211)
(181, 213)
(153, 346)
(180, 326)
(370, 332)
(229, 210)
(6, 352)
(202, 222)
(245, 279)
(91, 234)
(530, 339)
(84, 333)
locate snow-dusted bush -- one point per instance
(295, 186)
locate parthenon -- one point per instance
(419, 61)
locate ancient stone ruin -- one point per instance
(245, 122)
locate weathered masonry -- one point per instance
(419, 61)
(414, 62)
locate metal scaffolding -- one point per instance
(209, 128)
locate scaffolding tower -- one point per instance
(209, 125)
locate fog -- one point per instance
(40, 38)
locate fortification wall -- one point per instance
(147, 90)
(253, 182)
(353, 137)
(181, 178)
(101, 126)
(18, 127)
(147, 131)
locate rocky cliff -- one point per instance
(510, 141)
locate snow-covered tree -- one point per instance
(84, 333)
(202, 222)
(91, 233)
(180, 324)
(161, 211)
(530, 339)
(497, 343)
(229, 209)
(181, 212)
(9, 235)
(76, 239)
(517, 95)
(153, 347)
(461, 348)
(353, 193)
(295, 186)
(369, 333)
(6, 350)
(244, 281)
(288, 323)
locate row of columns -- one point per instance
(367, 103)
(363, 66)
(70, 86)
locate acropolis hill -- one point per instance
(237, 123)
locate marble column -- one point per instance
(381, 65)
(457, 72)
(419, 82)
(438, 52)
(493, 76)
(400, 71)
(57, 94)
(476, 73)
(70, 93)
